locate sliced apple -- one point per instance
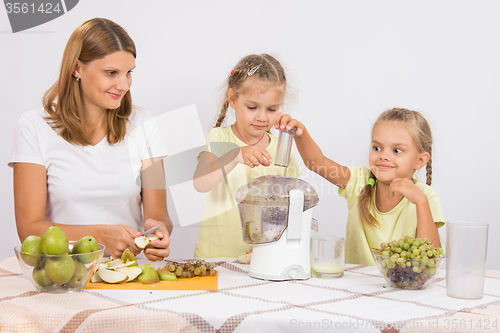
(132, 272)
(143, 241)
(110, 276)
(103, 266)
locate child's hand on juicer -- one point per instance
(285, 121)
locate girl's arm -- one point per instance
(311, 153)
(211, 170)
(30, 196)
(426, 227)
(154, 203)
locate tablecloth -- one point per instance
(360, 301)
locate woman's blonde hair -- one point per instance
(420, 131)
(93, 39)
(262, 67)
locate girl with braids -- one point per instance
(240, 152)
(79, 164)
(385, 202)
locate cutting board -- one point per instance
(196, 283)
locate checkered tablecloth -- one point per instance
(361, 301)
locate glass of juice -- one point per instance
(327, 256)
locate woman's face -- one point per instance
(105, 81)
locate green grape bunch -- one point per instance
(191, 268)
(408, 263)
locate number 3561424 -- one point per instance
(22, 7)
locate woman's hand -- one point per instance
(118, 237)
(406, 188)
(285, 121)
(254, 156)
(161, 246)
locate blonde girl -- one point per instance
(384, 201)
(240, 152)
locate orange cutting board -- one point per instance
(196, 283)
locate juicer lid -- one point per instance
(274, 190)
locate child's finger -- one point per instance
(285, 121)
(262, 158)
(268, 157)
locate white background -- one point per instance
(347, 61)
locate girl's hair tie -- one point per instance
(371, 182)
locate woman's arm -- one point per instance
(311, 154)
(154, 203)
(30, 197)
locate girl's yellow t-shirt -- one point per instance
(393, 225)
(220, 233)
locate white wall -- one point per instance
(347, 60)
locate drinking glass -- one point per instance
(327, 256)
(466, 246)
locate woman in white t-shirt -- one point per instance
(88, 161)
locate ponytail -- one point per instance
(428, 168)
(223, 111)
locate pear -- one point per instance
(149, 275)
(145, 241)
(96, 277)
(54, 241)
(85, 244)
(60, 269)
(245, 259)
(165, 274)
(79, 276)
(132, 272)
(117, 263)
(110, 276)
(31, 244)
(131, 263)
(127, 256)
(145, 267)
(40, 277)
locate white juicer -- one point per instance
(276, 214)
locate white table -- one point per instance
(361, 301)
